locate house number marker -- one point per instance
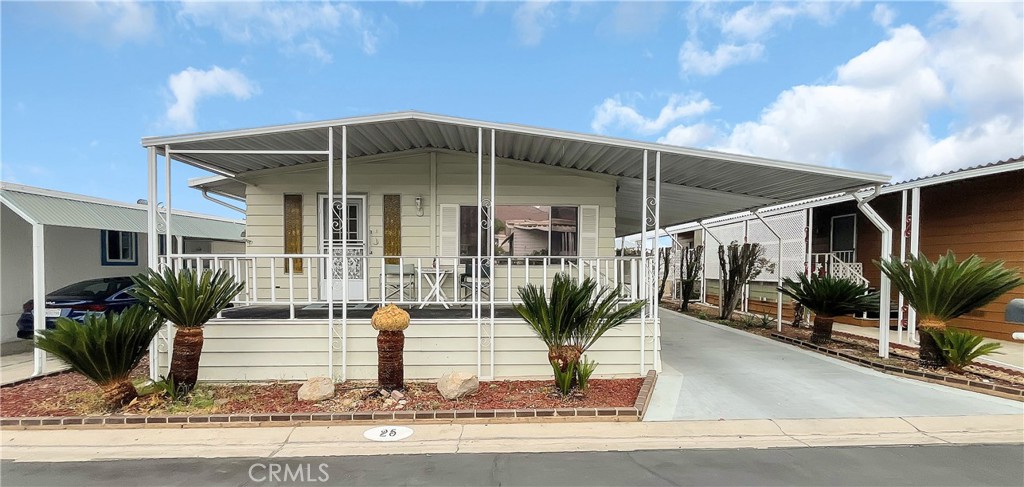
(387, 433)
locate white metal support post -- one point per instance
(884, 284)
(38, 294)
(479, 255)
(490, 253)
(655, 311)
(329, 264)
(167, 208)
(900, 313)
(720, 277)
(915, 244)
(643, 287)
(343, 222)
(809, 259)
(778, 273)
(152, 242)
(704, 266)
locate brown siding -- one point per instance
(983, 216)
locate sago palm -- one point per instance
(945, 289)
(575, 317)
(105, 348)
(188, 299)
(828, 297)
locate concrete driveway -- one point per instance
(714, 372)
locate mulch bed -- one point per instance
(901, 356)
(70, 394)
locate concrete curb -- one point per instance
(618, 414)
(293, 442)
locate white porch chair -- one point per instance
(398, 278)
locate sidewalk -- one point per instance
(305, 441)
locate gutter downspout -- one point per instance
(884, 284)
(222, 203)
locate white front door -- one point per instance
(330, 228)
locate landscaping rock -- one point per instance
(316, 389)
(396, 395)
(454, 385)
(389, 402)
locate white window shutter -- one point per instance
(449, 235)
(588, 230)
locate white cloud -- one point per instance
(756, 21)
(531, 19)
(114, 22)
(613, 113)
(742, 32)
(689, 135)
(299, 26)
(192, 85)
(875, 114)
(883, 15)
(693, 59)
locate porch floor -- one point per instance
(360, 311)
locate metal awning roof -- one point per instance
(57, 208)
(696, 183)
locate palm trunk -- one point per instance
(119, 393)
(188, 346)
(822, 331)
(390, 363)
(929, 353)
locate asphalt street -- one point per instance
(975, 465)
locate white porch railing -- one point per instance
(836, 264)
(415, 281)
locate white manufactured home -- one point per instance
(73, 237)
(418, 209)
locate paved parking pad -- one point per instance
(714, 372)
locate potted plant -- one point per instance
(828, 297)
(944, 290)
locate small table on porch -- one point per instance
(435, 277)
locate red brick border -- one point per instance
(970, 385)
(634, 413)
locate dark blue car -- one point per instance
(108, 294)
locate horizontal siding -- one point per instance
(296, 350)
(408, 176)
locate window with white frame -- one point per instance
(523, 231)
(119, 248)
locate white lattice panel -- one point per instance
(790, 226)
(726, 234)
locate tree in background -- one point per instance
(690, 267)
(739, 263)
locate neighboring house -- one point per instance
(404, 214)
(976, 210)
(85, 237)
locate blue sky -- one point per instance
(901, 88)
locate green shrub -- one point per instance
(586, 369)
(961, 347)
(575, 316)
(765, 321)
(564, 378)
(105, 348)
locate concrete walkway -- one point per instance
(314, 441)
(714, 372)
(1010, 355)
(19, 366)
